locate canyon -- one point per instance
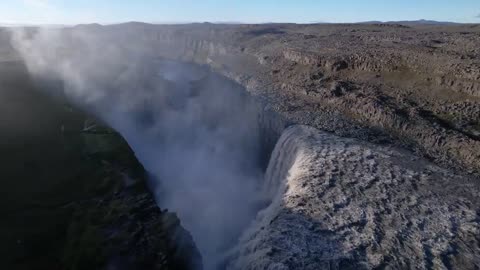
(285, 146)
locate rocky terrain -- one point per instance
(380, 165)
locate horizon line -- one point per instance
(32, 24)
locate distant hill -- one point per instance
(96, 25)
(416, 22)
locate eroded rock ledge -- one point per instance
(341, 203)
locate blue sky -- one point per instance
(255, 11)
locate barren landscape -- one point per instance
(367, 137)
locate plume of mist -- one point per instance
(195, 132)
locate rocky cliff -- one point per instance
(73, 194)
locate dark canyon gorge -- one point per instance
(203, 140)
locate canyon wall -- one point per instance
(74, 196)
(416, 88)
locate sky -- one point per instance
(246, 11)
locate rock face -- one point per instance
(344, 204)
(74, 196)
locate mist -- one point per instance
(194, 131)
